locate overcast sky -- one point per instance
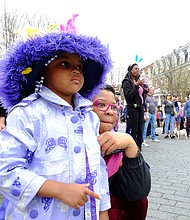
(147, 28)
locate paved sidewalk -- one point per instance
(170, 170)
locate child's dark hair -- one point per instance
(109, 88)
(130, 67)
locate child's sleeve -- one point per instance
(17, 183)
(104, 187)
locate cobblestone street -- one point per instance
(170, 170)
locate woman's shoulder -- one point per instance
(127, 79)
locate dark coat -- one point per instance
(131, 93)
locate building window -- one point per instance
(181, 57)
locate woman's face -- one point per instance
(64, 76)
(135, 71)
(107, 118)
(169, 97)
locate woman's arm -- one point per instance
(163, 111)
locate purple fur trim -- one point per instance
(36, 52)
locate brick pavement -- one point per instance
(170, 170)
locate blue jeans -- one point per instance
(169, 120)
(152, 121)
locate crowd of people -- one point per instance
(142, 113)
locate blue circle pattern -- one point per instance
(33, 214)
(74, 119)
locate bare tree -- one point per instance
(11, 22)
(172, 79)
(181, 82)
(38, 21)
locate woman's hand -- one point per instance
(110, 141)
(140, 82)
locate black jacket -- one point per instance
(132, 181)
(131, 93)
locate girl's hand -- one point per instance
(75, 195)
(72, 194)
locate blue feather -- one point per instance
(136, 58)
(140, 60)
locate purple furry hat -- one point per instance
(16, 83)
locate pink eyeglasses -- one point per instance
(104, 106)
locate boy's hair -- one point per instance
(21, 67)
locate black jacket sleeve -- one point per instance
(133, 180)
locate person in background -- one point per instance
(152, 111)
(133, 91)
(120, 107)
(2, 118)
(161, 117)
(158, 118)
(179, 117)
(51, 166)
(122, 156)
(128, 127)
(182, 125)
(169, 113)
(186, 114)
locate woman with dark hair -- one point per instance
(169, 113)
(133, 89)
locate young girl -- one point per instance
(50, 163)
(129, 176)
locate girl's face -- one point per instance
(64, 76)
(107, 117)
(135, 71)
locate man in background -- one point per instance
(152, 111)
